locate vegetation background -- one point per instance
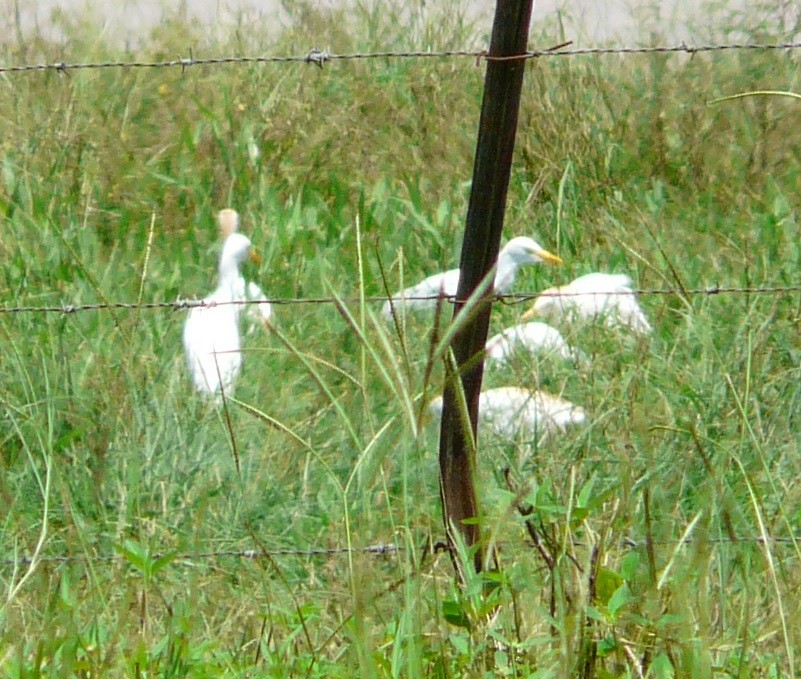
(110, 183)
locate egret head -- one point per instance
(545, 304)
(228, 221)
(569, 414)
(524, 250)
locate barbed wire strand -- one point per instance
(379, 549)
(511, 298)
(321, 57)
(245, 554)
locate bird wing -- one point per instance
(559, 412)
(534, 337)
(258, 312)
(424, 294)
(632, 315)
(599, 282)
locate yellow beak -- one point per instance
(531, 313)
(549, 257)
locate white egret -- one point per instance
(595, 295)
(512, 412)
(211, 334)
(534, 337)
(255, 314)
(516, 253)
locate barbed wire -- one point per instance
(510, 298)
(378, 549)
(321, 57)
(244, 554)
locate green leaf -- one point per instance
(594, 614)
(454, 613)
(443, 212)
(629, 566)
(66, 592)
(163, 561)
(134, 554)
(620, 598)
(461, 643)
(585, 493)
(606, 646)
(606, 583)
(661, 668)
(578, 514)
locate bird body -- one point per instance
(516, 253)
(534, 337)
(212, 341)
(512, 412)
(594, 295)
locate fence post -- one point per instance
(492, 167)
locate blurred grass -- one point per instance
(621, 165)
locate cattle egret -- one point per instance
(534, 337)
(517, 252)
(595, 295)
(512, 412)
(211, 334)
(255, 314)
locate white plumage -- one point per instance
(595, 295)
(534, 337)
(211, 334)
(255, 314)
(512, 412)
(517, 252)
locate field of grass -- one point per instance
(110, 183)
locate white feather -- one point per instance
(595, 295)
(512, 412)
(534, 337)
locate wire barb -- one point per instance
(185, 63)
(318, 57)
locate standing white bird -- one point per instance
(255, 314)
(516, 253)
(211, 334)
(534, 337)
(595, 295)
(512, 412)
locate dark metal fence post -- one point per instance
(496, 137)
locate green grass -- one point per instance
(620, 165)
